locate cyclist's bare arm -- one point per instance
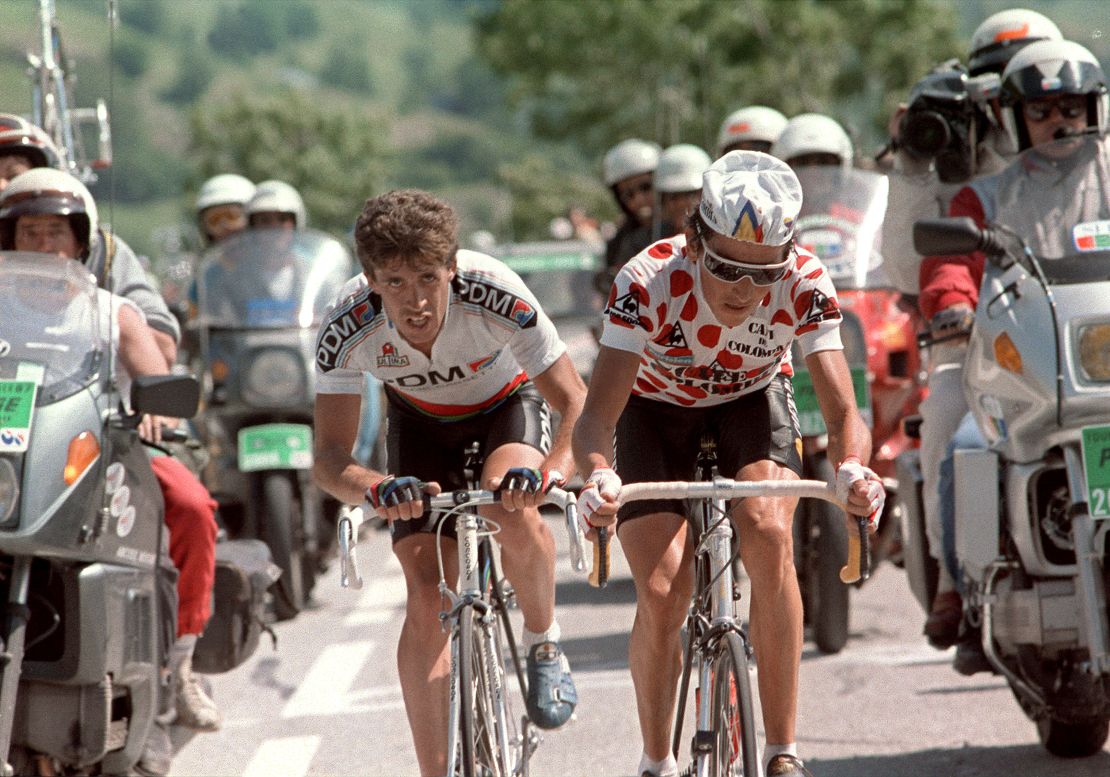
(335, 426)
(610, 386)
(832, 382)
(562, 387)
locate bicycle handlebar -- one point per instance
(858, 566)
(352, 517)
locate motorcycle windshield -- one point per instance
(270, 279)
(50, 329)
(841, 223)
(560, 274)
(1056, 198)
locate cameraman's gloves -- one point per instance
(851, 471)
(394, 491)
(601, 482)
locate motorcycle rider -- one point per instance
(221, 206)
(917, 192)
(627, 171)
(755, 128)
(677, 182)
(276, 204)
(22, 147)
(814, 139)
(1051, 90)
(189, 509)
(420, 307)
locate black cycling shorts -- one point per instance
(660, 441)
(421, 447)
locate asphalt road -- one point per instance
(327, 701)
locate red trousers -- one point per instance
(191, 519)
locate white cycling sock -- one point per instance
(551, 634)
(668, 767)
(770, 751)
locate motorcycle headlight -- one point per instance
(275, 378)
(1094, 351)
(9, 489)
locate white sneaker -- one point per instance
(195, 708)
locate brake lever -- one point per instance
(348, 561)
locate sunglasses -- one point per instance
(731, 271)
(214, 219)
(1068, 107)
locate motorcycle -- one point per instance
(840, 223)
(1032, 517)
(261, 295)
(90, 604)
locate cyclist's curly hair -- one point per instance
(409, 225)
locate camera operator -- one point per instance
(948, 134)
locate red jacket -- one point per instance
(948, 280)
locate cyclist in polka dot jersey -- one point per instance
(697, 340)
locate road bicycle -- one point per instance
(485, 737)
(717, 650)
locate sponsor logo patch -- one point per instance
(390, 358)
(501, 302)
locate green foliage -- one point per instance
(301, 21)
(347, 67)
(132, 56)
(541, 189)
(248, 29)
(672, 69)
(194, 73)
(332, 157)
(148, 16)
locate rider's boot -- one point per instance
(195, 708)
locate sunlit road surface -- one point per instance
(327, 701)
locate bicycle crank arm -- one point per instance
(858, 567)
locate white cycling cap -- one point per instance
(752, 196)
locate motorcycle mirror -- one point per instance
(175, 396)
(945, 237)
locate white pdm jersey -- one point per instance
(494, 337)
(657, 309)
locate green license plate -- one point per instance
(275, 446)
(1096, 468)
(17, 407)
(810, 420)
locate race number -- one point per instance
(1096, 468)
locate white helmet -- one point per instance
(756, 123)
(44, 191)
(751, 196)
(19, 136)
(680, 168)
(813, 133)
(1003, 34)
(225, 189)
(628, 158)
(277, 197)
(1046, 69)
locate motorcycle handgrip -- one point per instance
(858, 567)
(172, 434)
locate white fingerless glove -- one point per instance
(849, 472)
(602, 481)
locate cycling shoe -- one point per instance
(551, 693)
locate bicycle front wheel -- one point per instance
(486, 724)
(734, 749)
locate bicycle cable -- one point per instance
(707, 590)
(485, 531)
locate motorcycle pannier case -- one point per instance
(244, 570)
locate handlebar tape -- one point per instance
(599, 575)
(858, 567)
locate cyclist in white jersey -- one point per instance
(465, 353)
(696, 339)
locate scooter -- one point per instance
(90, 604)
(1032, 519)
(840, 223)
(261, 295)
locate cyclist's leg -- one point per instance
(423, 658)
(766, 546)
(527, 545)
(661, 561)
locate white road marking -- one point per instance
(288, 756)
(326, 687)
